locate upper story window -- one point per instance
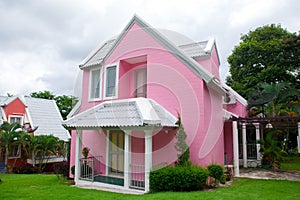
(95, 84)
(16, 118)
(111, 86)
(140, 81)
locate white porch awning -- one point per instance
(123, 113)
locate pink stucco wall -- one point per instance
(174, 86)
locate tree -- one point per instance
(266, 55)
(9, 136)
(65, 104)
(40, 149)
(43, 95)
(271, 150)
(181, 146)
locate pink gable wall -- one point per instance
(238, 108)
(212, 63)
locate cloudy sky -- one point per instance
(43, 41)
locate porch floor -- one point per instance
(109, 180)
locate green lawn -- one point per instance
(16, 186)
(291, 163)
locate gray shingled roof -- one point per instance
(97, 57)
(123, 113)
(44, 113)
(193, 50)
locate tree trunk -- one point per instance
(6, 157)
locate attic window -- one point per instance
(16, 118)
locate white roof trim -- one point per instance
(74, 110)
(227, 115)
(209, 45)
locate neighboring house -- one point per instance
(37, 116)
(134, 86)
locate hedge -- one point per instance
(178, 178)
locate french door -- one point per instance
(116, 153)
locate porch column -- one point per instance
(235, 149)
(257, 132)
(127, 159)
(78, 154)
(298, 137)
(148, 158)
(244, 132)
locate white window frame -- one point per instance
(90, 84)
(116, 83)
(144, 69)
(16, 116)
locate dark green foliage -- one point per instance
(181, 146)
(73, 170)
(183, 159)
(216, 171)
(266, 55)
(179, 178)
(271, 150)
(61, 168)
(25, 169)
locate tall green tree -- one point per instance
(266, 55)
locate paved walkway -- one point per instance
(270, 174)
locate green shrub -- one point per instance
(73, 170)
(215, 171)
(179, 178)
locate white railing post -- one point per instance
(235, 149)
(244, 132)
(127, 160)
(298, 137)
(148, 158)
(257, 134)
(78, 154)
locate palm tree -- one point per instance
(9, 136)
(281, 98)
(271, 150)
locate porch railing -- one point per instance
(91, 167)
(251, 151)
(137, 176)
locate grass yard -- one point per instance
(19, 186)
(291, 163)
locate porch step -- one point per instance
(110, 180)
(2, 167)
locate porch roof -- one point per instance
(123, 113)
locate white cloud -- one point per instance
(42, 42)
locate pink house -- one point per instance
(133, 88)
